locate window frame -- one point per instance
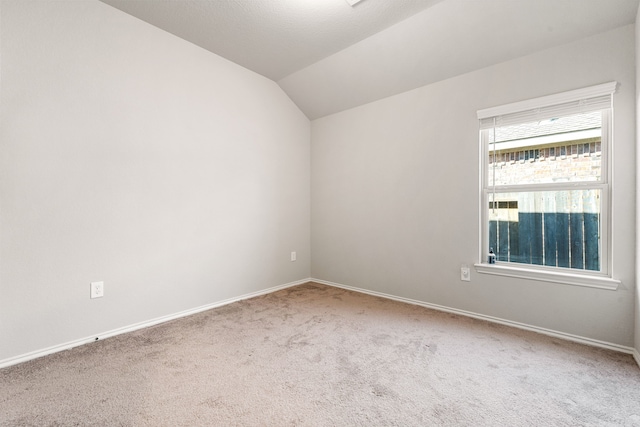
(599, 279)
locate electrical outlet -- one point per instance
(465, 274)
(97, 289)
(293, 256)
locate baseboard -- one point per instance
(544, 331)
(71, 344)
(66, 346)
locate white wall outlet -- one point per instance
(465, 274)
(97, 289)
(293, 256)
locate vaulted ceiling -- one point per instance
(329, 56)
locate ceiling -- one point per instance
(272, 37)
(329, 56)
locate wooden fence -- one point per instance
(568, 240)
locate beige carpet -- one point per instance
(314, 355)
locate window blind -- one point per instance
(594, 98)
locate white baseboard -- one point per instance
(66, 346)
(71, 344)
(544, 331)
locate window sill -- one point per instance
(590, 281)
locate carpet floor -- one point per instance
(314, 355)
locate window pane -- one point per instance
(552, 228)
(564, 149)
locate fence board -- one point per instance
(514, 242)
(537, 243)
(526, 230)
(562, 239)
(591, 241)
(576, 224)
(549, 236)
(502, 250)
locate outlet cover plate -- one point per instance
(97, 289)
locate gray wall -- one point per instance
(394, 192)
(133, 157)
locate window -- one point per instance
(546, 188)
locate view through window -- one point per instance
(545, 185)
(554, 228)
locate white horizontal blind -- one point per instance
(585, 100)
(566, 109)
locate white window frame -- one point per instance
(601, 279)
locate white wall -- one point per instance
(637, 305)
(133, 157)
(394, 187)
